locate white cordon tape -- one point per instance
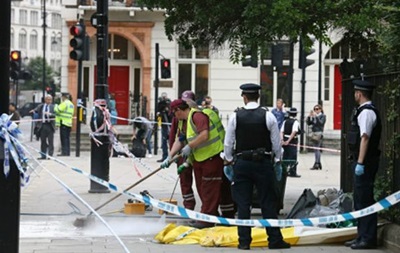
(180, 211)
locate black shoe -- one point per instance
(363, 245)
(349, 243)
(244, 247)
(41, 158)
(160, 161)
(315, 167)
(279, 245)
(294, 175)
(61, 155)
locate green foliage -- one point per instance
(384, 184)
(35, 66)
(255, 23)
(246, 23)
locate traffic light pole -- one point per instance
(303, 96)
(79, 104)
(9, 185)
(44, 51)
(156, 84)
(100, 162)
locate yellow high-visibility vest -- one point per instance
(214, 144)
(64, 113)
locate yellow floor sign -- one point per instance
(221, 236)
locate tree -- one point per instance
(253, 23)
(35, 66)
(245, 23)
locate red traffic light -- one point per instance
(76, 30)
(15, 55)
(166, 63)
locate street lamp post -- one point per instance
(44, 50)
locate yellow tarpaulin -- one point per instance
(221, 236)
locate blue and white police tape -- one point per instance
(180, 211)
(120, 148)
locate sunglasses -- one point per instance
(317, 109)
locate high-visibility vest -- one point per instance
(65, 112)
(214, 144)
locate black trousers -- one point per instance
(65, 139)
(364, 197)
(46, 140)
(260, 174)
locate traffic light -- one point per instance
(250, 57)
(15, 64)
(277, 56)
(78, 42)
(165, 68)
(304, 53)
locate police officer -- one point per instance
(363, 141)
(64, 113)
(254, 166)
(289, 140)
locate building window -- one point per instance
(33, 40)
(23, 17)
(22, 39)
(118, 47)
(326, 83)
(12, 38)
(56, 21)
(34, 18)
(193, 71)
(137, 55)
(12, 16)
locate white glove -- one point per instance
(186, 150)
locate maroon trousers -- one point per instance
(212, 188)
(186, 182)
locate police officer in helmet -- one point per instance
(254, 133)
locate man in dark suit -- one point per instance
(46, 125)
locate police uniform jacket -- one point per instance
(233, 136)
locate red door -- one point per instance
(337, 100)
(118, 83)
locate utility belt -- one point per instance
(257, 155)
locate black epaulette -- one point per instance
(238, 109)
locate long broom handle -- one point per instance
(127, 189)
(133, 185)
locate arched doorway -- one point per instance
(124, 76)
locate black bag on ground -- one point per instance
(303, 206)
(138, 148)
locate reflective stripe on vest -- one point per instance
(214, 144)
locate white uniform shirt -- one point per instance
(366, 120)
(272, 126)
(295, 127)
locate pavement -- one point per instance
(48, 210)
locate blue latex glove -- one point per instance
(278, 170)
(359, 169)
(186, 150)
(166, 163)
(228, 171)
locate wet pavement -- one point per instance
(48, 210)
